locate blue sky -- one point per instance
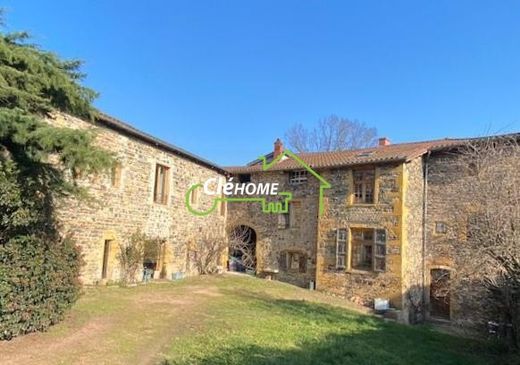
(224, 79)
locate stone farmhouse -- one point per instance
(385, 231)
(145, 193)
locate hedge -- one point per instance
(38, 283)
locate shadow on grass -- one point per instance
(349, 338)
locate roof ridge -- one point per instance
(144, 136)
(379, 147)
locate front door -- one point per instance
(440, 293)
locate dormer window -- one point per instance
(297, 177)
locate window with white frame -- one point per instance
(341, 248)
(297, 177)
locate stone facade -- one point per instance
(126, 205)
(445, 248)
(297, 240)
(412, 226)
(341, 213)
(409, 200)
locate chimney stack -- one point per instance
(278, 148)
(384, 141)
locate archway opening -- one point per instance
(242, 249)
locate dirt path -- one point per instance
(131, 329)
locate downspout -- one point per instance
(425, 211)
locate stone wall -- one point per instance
(117, 211)
(299, 238)
(413, 218)
(445, 197)
(340, 212)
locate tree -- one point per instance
(242, 245)
(331, 134)
(208, 250)
(38, 164)
(491, 201)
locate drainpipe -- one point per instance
(425, 211)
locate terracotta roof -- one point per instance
(127, 129)
(374, 155)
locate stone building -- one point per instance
(366, 224)
(145, 192)
(381, 234)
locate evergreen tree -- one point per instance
(38, 164)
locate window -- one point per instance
(380, 250)
(341, 248)
(297, 177)
(223, 207)
(285, 219)
(364, 181)
(441, 228)
(294, 213)
(116, 175)
(368, 251)
(161, 184)
(106, 256)
(297, 262)
(194, 197)
(244, 178)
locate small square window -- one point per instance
(441, 228)
(297, 177)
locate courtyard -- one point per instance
(233, 319)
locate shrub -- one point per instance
(131, 255)
(38, 283)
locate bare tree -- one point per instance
(332, 133)
(133, 252)
(208, 250)
(492, 204)
(241, 244)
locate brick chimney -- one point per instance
(384, 141)
(278, 148)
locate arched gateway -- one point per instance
(242, 249)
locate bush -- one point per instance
(38, 283)
(139, 247)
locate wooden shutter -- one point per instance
(303, 263)
(282, 261)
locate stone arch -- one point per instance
(242, 251)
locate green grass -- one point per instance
(255, 324)
(234, 320)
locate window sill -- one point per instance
(361, 272)
(362, 204)
(160, 204)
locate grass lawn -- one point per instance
(232, 319)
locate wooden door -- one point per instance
(440, 293)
